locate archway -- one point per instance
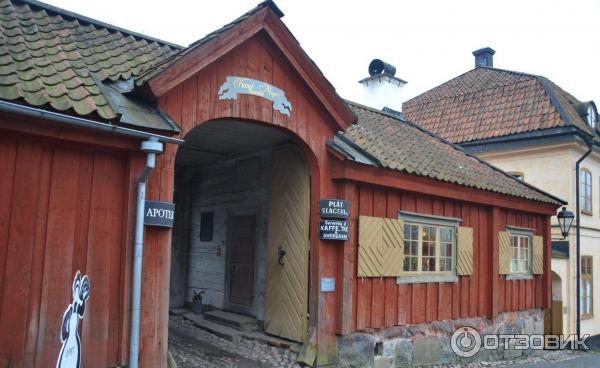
(241, 236)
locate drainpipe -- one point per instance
(151, 147)
(578, 235)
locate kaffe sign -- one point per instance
(333, 230)
(333, 209)
(159, 214)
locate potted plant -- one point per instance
(197, 301)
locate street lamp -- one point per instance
(565, 220)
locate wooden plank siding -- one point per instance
(65, 208)
(379, 302)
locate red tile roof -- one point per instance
(403, 146)
(489, 102)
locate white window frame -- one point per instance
(585, 195)
(587, 292)
(519, 234)
(438, 222)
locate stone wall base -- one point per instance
(429, 343)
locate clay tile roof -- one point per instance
(400, 145)
(51, 58)
(489, 102)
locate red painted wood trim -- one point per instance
(494, 227)
(398, 180)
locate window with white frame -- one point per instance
(429, 245)
(585, 192)
(520, 260)
(587, 281)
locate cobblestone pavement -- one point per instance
(193, 347)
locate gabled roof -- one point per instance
(396, 144)
(487, 103)
(265, 17)
(55, 59)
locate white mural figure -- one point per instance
(70, 353)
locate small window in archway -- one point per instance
(585, 195)
(206, 226)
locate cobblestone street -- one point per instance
(193, 347)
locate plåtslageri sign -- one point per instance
(159, 213)
(235, 85)
(333, 208)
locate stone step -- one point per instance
(237, 321)
(272, 340)
(225, 332)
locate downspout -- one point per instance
(151, 147)
(578, 235)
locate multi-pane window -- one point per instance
(520, 261)
(587, 306)
(428, 248)
(585, 193)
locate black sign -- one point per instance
(333, 208)
(333, 230)
(159, 214)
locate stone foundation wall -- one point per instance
(429, 343)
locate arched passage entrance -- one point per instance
(242, 194)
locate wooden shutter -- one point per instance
(393, 247)
(504, 253)
(380, 246)
(464, 251)
(370, 241)
(537, 259)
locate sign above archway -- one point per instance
(236, 85)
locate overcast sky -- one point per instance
(428, 41)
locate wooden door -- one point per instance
(242, 230)
(286, 304)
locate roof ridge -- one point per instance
(456, 147)
(471, 92)
(85, 19)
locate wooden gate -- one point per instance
(287, 246)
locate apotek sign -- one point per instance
(159, 213)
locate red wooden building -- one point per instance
(434, 234)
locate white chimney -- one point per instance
(382, 88)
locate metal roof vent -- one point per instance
(378, 66)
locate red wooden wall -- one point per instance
(381, 302)
(67, 205)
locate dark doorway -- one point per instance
(242, 244)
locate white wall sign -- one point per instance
(248, 86)
(70, 353)
(327, 284)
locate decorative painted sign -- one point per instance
(327, 284)
(333, 208)
(159, 214)
(234, 85)
(70, 353)
(333, 230)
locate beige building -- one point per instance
(532, 129)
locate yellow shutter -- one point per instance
(464, 261)
(537, 261)
(504, 253)
(380, 246)
(370, 241)
(393, 247)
